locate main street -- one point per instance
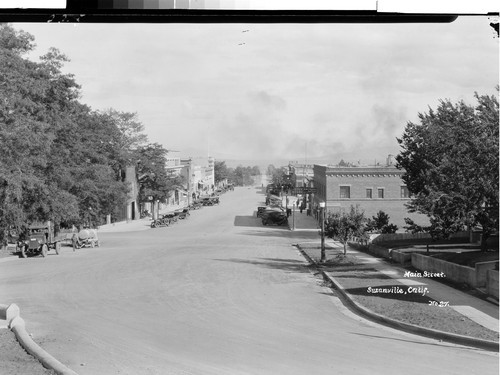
(215, 294)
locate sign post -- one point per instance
(322, 215)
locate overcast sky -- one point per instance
(269, 91)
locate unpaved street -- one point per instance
(215, 294)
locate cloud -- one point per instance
(388, 120)
(338, 88)
(266, 100)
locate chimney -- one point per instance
(390, 159)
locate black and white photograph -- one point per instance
(205, 187)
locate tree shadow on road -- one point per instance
(282, 232)
(247, 221)
(289, 265)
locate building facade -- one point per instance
(199, 176)
(301, 173)
(130, 210)
(174, 168)
(373, 189)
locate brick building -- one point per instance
(372, 188)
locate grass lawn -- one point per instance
(357, 276)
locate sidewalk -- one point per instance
(134, 225)
(389, 294)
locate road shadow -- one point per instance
(280, 231)
(247, 221)
(288, 265)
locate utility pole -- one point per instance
(322, 216)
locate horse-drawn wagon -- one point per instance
(85, 238)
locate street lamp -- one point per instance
(322, 218)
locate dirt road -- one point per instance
(215, 294)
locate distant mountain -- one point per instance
(369, 156)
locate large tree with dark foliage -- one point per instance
(380, 224)
(60, 160)
(451, 163)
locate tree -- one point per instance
(255, 170)
(270, 170)
(242, 176)
(342, 226)
(380, 223)
(451, 164)
(155, 184)
(35, 98)
(221, 171)
(280, 178)
(60, 160)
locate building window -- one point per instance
(369, 193)
(380, 192)
(345, 192)
(404, 192)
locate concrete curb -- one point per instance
(18, 326)
(410, 328)
(8, 313)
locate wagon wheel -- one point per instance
(23, 252)
(44, 250)
(57, 247)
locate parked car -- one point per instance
(38, 240)
(260, 210)
(275, 218)
(182, 213)
(162, 221)
(209, 201)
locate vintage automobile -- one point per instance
(261, 209)
(273, 200)
(182, 213)
(85, 238)
(210, 201)
(162, 221)
(274, 218)
(38, 239)
(196, 205)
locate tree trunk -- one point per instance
(154, 216)
(345, 248)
